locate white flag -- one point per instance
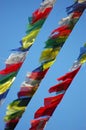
(16, 58)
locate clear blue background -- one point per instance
(71, 112)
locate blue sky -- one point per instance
(71, 112)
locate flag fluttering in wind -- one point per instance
(52, 47)
(16, 59)
(44, 113)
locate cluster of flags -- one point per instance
(43, 114)
(7, 75)
(52, 47)
(17, 57)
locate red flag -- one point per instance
(24, 93)
(61, 86)
(39, 124)
(53, 99)
(76, 14)
(27, 91)
(46, 110)
(69, 75)
(61, 34)
(11, 68)
(65, 32)
(59, 29)
(38, 14)
(38, 75)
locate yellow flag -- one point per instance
(14, 109)
(5, 86)
(48, 64)
(13, 114)
(29, 39)
(83, 59)
(49, 54)
(14, 106)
